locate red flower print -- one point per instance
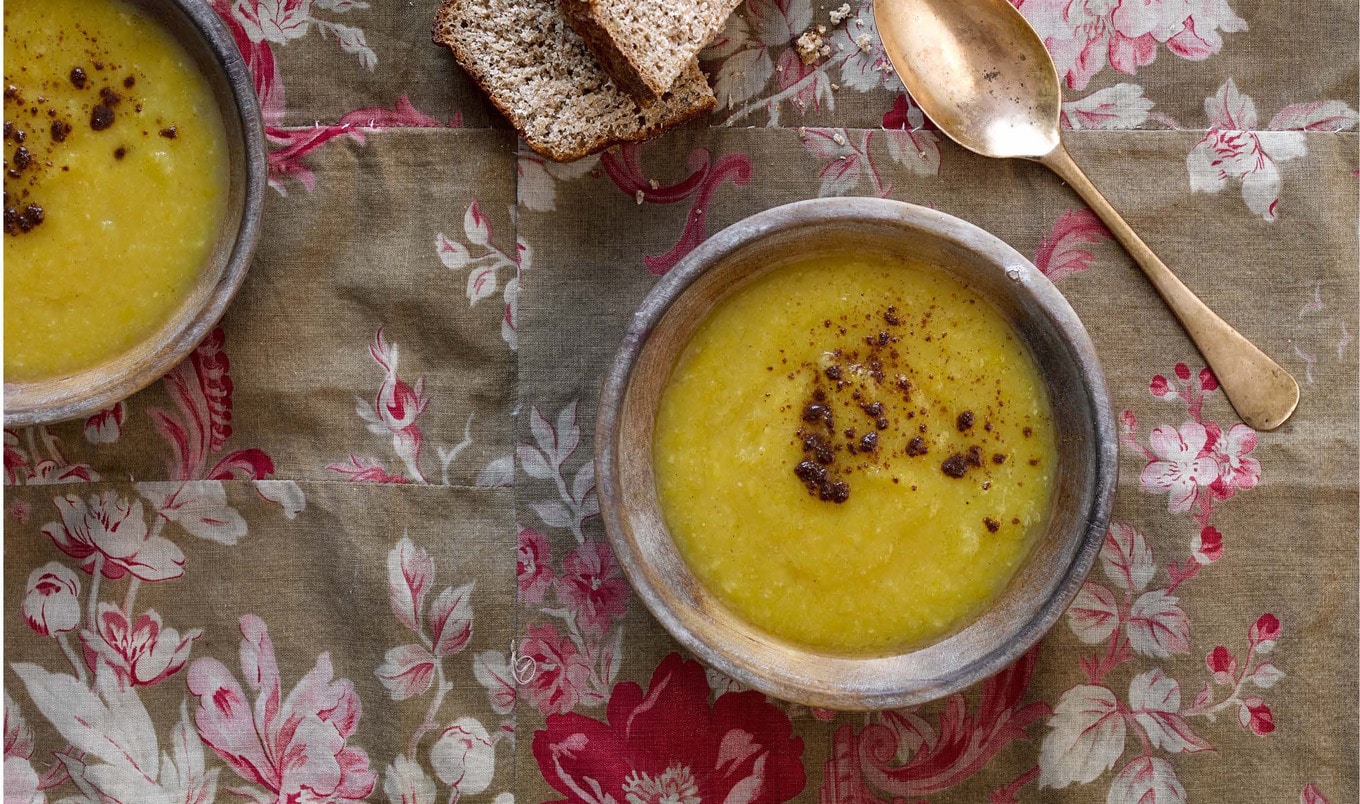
(108, 532)
(1264, 632)
(1254, 714)
(1236, 471)
(561, 675)
(670, 745)
(531, 567)
(144, 652)
(1162, 389)
(15, 458)
(293, 744)
(1181, 465)
(106, 426)
(52, 604)
(1221, 663)
(592, 588)
(1207, 545)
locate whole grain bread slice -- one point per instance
(539, 73)
(647, 45)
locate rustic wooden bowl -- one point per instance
(1041, 589)
(194, 24)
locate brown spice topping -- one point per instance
(917, 447)
(992, 525)
(101, 117)
(171, 132)
(965, 421)
(955, 466)
(78, 78)
(17, 222)
(60, 128)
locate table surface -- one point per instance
(309, 564)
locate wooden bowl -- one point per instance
(1041, 589)
(208, 41)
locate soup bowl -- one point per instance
(1041, 588)
(210, 45)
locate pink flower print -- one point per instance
(144, 652)
(561, 674)
(52, 603)
(1085, 35)
(1254, 714)
(1236, 471)
(399, 405)
(1234, 149)
(531, 567)
(294, 746)
(1182, 465)
(592, 588)
(108, 532)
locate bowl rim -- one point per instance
(888, 213)
(178, 343)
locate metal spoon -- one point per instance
(981, 73)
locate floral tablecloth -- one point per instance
(350, 549)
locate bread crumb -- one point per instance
(838, 138)
(654, 184)
(811, 46)
(639, 196)
(864, 41)
(838, 15)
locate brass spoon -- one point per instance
(981, 73)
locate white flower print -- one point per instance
(1232, 149)
(1181, 465)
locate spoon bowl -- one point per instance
(982, 74)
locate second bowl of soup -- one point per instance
(856, 453)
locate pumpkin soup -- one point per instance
(854, 455)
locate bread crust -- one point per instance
(445, 23)
(584, 18)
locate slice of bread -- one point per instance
(647, 45)
(541, 76)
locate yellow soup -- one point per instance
(855, 455)
(115, 182)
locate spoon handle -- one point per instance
(1262, 392)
